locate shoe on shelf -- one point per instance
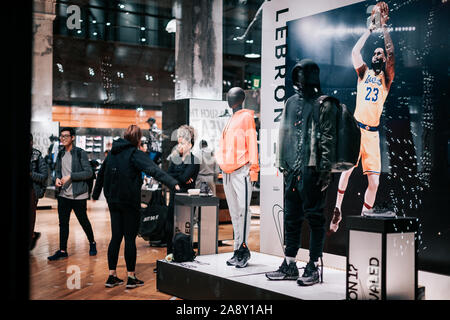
(59, 255)
(36, 236)
(285, 272)
(113, 281)
(310, 275)
(383, 211)
(93, 249)
(243, 256)
(334, 225)
(232, 261)
(134, 282)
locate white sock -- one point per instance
(289, 260)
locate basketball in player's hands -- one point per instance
(382, 9)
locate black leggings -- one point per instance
(124, 224)
(65, 207)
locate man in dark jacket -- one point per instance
(72, 171)
(307, 148)
(38, 175)
(120, 176)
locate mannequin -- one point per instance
(305, 158)
(235, 98)
(238, 158)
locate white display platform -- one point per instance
(208, 277)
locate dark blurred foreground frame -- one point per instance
(16, 114)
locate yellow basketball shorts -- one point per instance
(369, 153)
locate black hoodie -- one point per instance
(302, 142)
(121, 174)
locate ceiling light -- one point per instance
(171, 26)
(108, 23)
(252, 55)
(142, 28)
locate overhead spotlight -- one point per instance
(252, 55)
(142, 28)
(143, 39)
(171, 26)
(108, 24)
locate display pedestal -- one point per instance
(381, 258)
(209, 278)
(207, 209)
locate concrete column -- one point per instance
(198, 49)
(42, 84)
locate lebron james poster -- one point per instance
(388, 63)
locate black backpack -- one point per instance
(153, 225)
(348, 138)
(182, 248)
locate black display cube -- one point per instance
(381, 258)
(207, 209)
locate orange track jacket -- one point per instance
(238, 144)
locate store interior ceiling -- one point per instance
(123, 52)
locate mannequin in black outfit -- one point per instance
(306, 148)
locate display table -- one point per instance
(381, 258)
(207, 209)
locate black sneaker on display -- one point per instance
(59, 255)
(93, 249)
(36, 237)
(310, 276)
(383, 211)
(285, 272)
(113, 281)
(233, 259)
(134, 282)
(243, 256)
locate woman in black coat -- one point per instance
(184, 167)
(120, 176)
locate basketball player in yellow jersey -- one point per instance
(372, 89)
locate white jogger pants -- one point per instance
(238, 191)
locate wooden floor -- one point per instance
(53, 281)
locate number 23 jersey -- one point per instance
(370, 96)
